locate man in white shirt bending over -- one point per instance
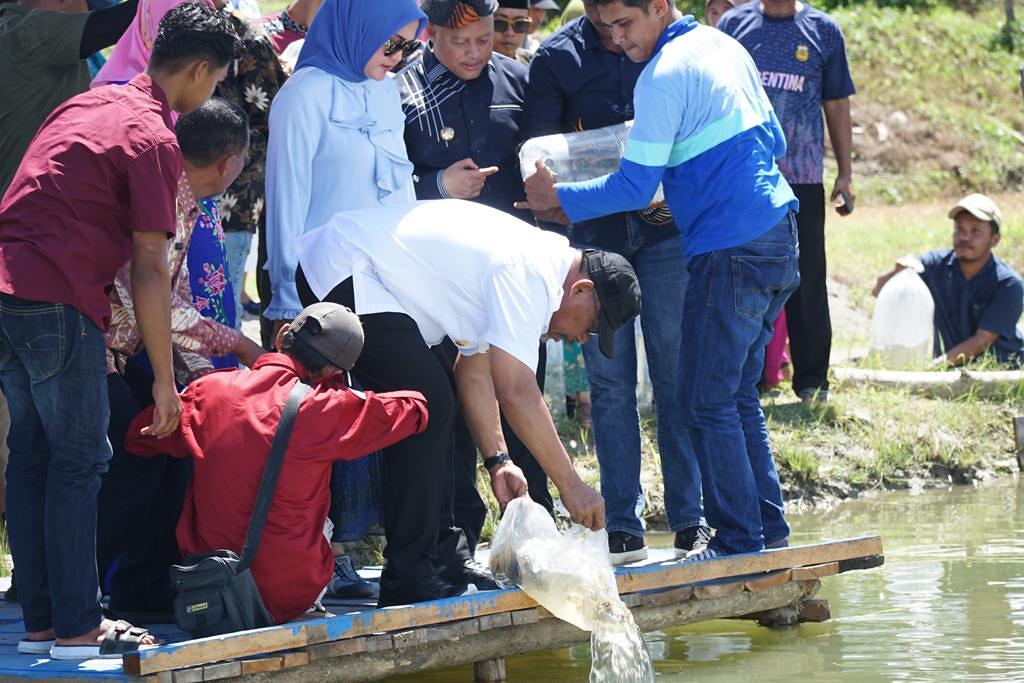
(494, 285)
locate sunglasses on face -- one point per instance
(519, 25)
(393, 45)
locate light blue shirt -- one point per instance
(705, 129)
(334, 146)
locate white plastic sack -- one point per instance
(571, 576)
(579, 156)
(902, 328)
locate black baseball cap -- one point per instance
(618, 291)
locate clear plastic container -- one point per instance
(579, 156)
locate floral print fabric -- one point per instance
(252, 83)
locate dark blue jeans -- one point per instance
(732, 300)
(53, 372)
(661, 270)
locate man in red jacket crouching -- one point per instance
(227, 424)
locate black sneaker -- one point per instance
(346, 584)
(777, 544)
(420, 589)
(471, 572)
(691, 539)
(623, 548)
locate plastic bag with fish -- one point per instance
(571, 576)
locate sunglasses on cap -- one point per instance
(519, 25)
(393, 45)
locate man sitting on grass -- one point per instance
(227, 425)
(978, 298)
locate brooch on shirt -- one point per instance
(447, 134)
(803, 53)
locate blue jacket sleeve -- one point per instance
(295, 122)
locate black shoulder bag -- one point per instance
(216, 590)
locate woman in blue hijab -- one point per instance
(336, 130)
(336, 144)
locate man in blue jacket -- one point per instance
(705, 129)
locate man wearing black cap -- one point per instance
(228, 422)
(463, 104)
(419, 273)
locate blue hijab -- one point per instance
(346, 33)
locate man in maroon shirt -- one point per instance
(228, 422)
(95, 188)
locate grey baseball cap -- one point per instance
(331, 330)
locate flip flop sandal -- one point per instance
(35, 647)
(121, 639)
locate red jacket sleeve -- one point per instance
(350, 424)
(148, 446)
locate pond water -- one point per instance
(948, 605)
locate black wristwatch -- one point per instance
(495, 460)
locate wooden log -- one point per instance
(337, 648)
(678, 574)
(768, 580)
(261, 665)
(189, 675)
(310, 632)
(667, 597)
(490, 671)
(546, 634)
(815, 611)
(717, 589)
(815, 571)
(213, 672)
(950, 384)
(1018, 440)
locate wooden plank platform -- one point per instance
(661, 592)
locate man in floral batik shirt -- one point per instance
(252, 82)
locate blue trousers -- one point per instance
(53, 372)
(732, 300)
(661, 270)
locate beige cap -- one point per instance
(979, 206)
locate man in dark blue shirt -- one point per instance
(463, 105)
(580, 80)
(978, 298)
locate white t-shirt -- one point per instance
(463, 270)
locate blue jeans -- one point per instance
(54, 373)
(732, 300)
(661, 270)
(237, 244)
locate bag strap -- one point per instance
(270, 472)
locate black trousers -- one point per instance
(140, 501)
(807, 316)
(394, 357)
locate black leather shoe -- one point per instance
(471, 572)
(420, 589)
